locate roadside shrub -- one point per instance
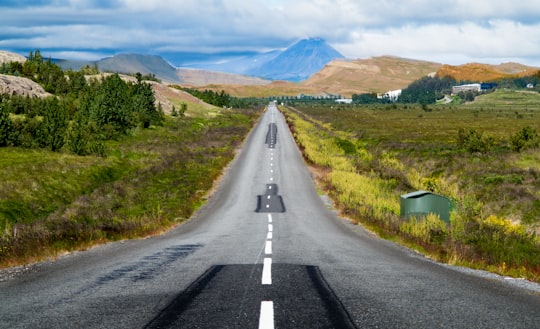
(525, 138)
(500, 241)
(427, 230)
(474, 141)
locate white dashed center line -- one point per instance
(267, 271)
(266, 319)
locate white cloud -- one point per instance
(499, 40)
(458, 30)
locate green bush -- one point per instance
(499, 241)
(524, 139)
(474, 141)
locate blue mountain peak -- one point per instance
(299, 61)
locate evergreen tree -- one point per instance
(79, 135)
(143, 102)
(54, 125)
(110, 107)
(6, 125)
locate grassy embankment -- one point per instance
(366, 157)
(53, 202)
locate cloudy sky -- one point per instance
(446, 31)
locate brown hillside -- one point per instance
(486, 72)
(345, 77)
(377, 74)
(195, 77)
(169, 97)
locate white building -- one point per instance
(391, 95)
(468, 87)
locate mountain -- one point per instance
(346, 77)
(241, 64)
(145, 64)
(297, 62)
(151, 64)
(486, 72)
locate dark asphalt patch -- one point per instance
(149, 266)
(270, 201)
(229, 296)
(271, 135)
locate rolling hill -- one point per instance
(485, 72)
(377, 74)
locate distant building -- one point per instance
(391, 95)
(467, 87)
(344, 100)
(473, 87)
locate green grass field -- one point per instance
(153, 178)
(370, 155)
(506, 182)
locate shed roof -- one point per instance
(415, 194)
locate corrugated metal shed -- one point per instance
(421, 203)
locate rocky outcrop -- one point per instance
(20, 86)
(6, 57)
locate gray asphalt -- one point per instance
(206, 273)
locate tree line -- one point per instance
(80, 115)
(222, 99)
(427, 90)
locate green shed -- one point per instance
(422, 203)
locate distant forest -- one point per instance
(428, 90)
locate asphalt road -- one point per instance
(264, 252)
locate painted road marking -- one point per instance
(267, 271)
(270, 228)
(268, 248)
(269, 236)
(269, 218)
(266, 319)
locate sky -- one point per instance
(444, 31)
